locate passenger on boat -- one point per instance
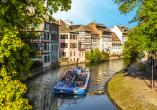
(79, 84)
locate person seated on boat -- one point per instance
(62, 78)
(79, 84)
(61, 83)
(84, 78)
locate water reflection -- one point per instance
(70, 99)
(41, 94)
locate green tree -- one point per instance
(96, 56)
(88, 55)
(105, 56)
(11, 93)
(142, 38)
(17, 16)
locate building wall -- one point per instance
(66, 49)
(85, 39)
(116, 49)
(95, 43)
(47, 38)
(82, 55)
(106, 43)
(117, 31)
(72, 51)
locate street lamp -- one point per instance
(152, 78)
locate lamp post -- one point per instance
(152, 77)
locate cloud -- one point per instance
(102, 11)
(77, 12)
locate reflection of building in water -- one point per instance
(69, 101)
(98, 78)
(118, 65)
(45, 101)
(41, 92)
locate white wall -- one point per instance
(117, 31)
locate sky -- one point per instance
(99, 11)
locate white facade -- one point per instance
(121, 34)
(85, 39)
(106, 43)
(118, 32)
(95, 43)
(116, 48)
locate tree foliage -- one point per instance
(14, 54)
(16, 17)
(96, 56)
(21, 13)
(142, 38)
(11, 93)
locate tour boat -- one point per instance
(75, 81)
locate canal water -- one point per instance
(41, 95)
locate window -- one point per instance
(46, 26)
(107, 33)
(64, 54)
(64, 45)
(52, 47)
(37, 46)
(74, 53)
(73, 36)
(80, 45)
(64, 36)
(71, 53)
(53, 37)
(46, 46)
(46, 36)
(73, 45)
(46, 58)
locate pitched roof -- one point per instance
(63, 27)
(123, 29)
(82, 29)
(74, 26)
(106, 30)
(92, 27)
(115, 37)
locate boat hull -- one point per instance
(70, 91)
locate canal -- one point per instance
(40, 90)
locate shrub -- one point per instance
(96, 56)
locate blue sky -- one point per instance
(101, 11)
